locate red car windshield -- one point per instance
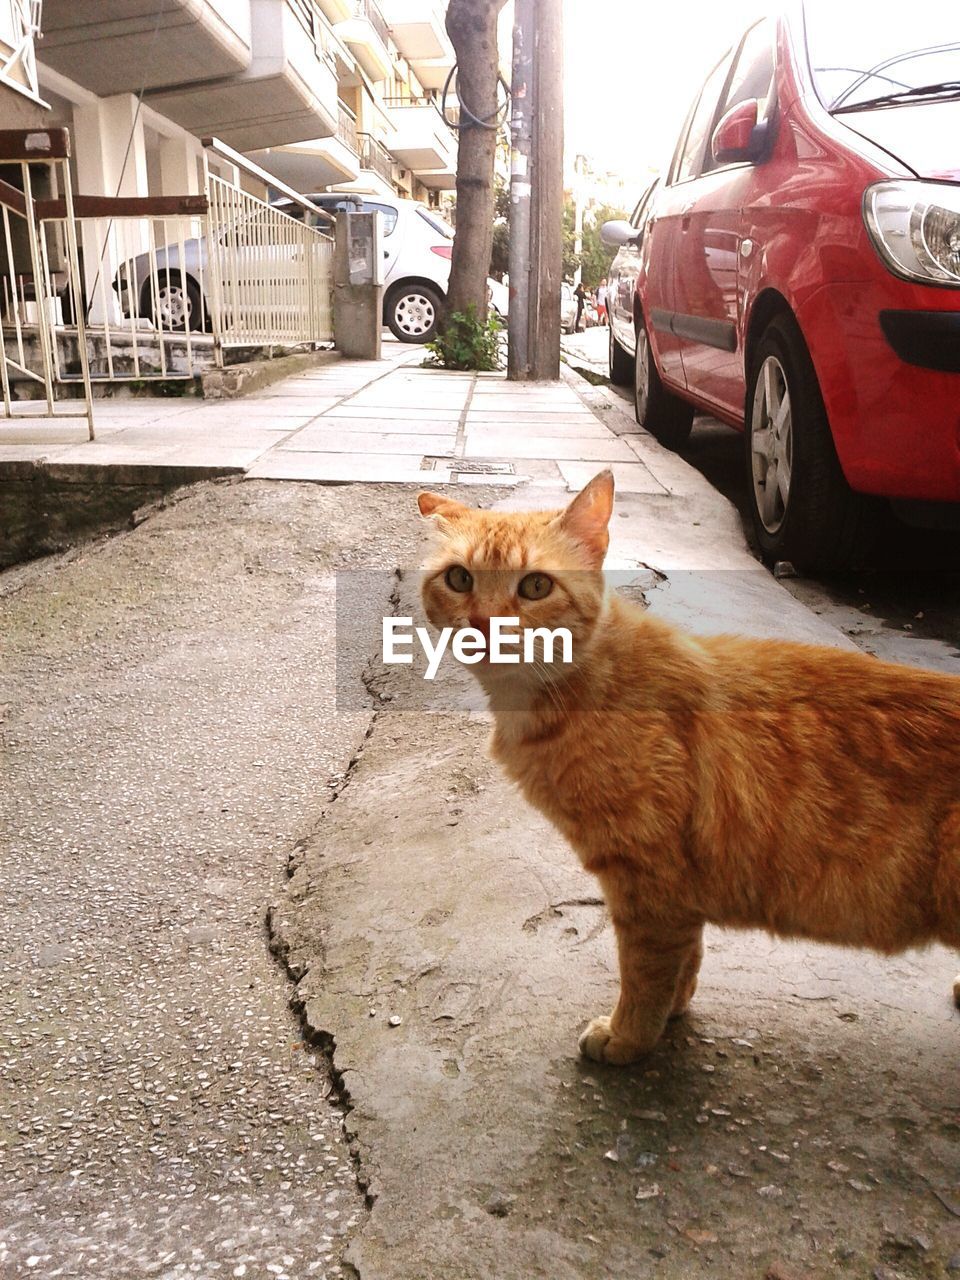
(855, 61)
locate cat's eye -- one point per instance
(458, 578)
(535, 586)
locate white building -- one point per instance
(324, 93)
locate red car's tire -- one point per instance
(802, 507)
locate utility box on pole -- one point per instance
(358, 285)
(536, 192)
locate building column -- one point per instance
(179, 175)
(102, 133)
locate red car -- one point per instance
(799, 273)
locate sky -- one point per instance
(631, 69)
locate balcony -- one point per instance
(419, 31)
(368, 37)
(322, 162)
(287, 94)
(418, 27)
(103, 44)
(375, 158)
(423, 142)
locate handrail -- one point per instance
(13, 198)
(34, 144)
(369, 9)
(374, 155)
(268, 179)
(123, 207)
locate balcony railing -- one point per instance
(375, 157)
(369, 9)
(317, 28)
(405, 101)
(18, 61)
(347, 128)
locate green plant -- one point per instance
(467, 342)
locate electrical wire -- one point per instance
(496, 121)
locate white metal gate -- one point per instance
(34, 281)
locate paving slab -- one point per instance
(356, 408)
(629, 477)
(507, 425)
(480, 445)
(325, 438)
(342, 468)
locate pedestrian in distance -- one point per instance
(602, 293)
(581, 298)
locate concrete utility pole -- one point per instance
(536, 192)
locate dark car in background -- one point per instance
(627, 238)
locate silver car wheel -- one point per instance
(641, 373)
(173, 307)
(771, 445)
(415, 314)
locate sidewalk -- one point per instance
(348, 421)
(397, 422)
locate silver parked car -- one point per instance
(627, 238)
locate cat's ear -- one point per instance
(432, 504)
(588, 516)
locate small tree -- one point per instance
(595, 259)
(472, 27)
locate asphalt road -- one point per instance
(904, 608)
(168, 731)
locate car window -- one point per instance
(752, 77)
(639, 215)
(853, 60)
(391, 215)
(701, 121)
(442, 228)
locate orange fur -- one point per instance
(753, 783)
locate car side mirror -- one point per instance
(617, 233)
(740, 137)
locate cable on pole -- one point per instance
(496, 121)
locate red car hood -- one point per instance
(925, 136)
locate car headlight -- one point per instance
(916, 228)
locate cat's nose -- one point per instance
(480, 624)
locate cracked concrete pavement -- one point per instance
(187, 742)
(169, 731)
(803, 1121)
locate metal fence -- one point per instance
(271, 273)
(375, 156)
(103, 289)
(347, 128)
(143, 286)
(36, 277)
(370, 10)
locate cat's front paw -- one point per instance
(601, 1044)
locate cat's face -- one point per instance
(543, 567)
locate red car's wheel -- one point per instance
(803, 509)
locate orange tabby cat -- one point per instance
(755, 783)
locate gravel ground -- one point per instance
(169, 731)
